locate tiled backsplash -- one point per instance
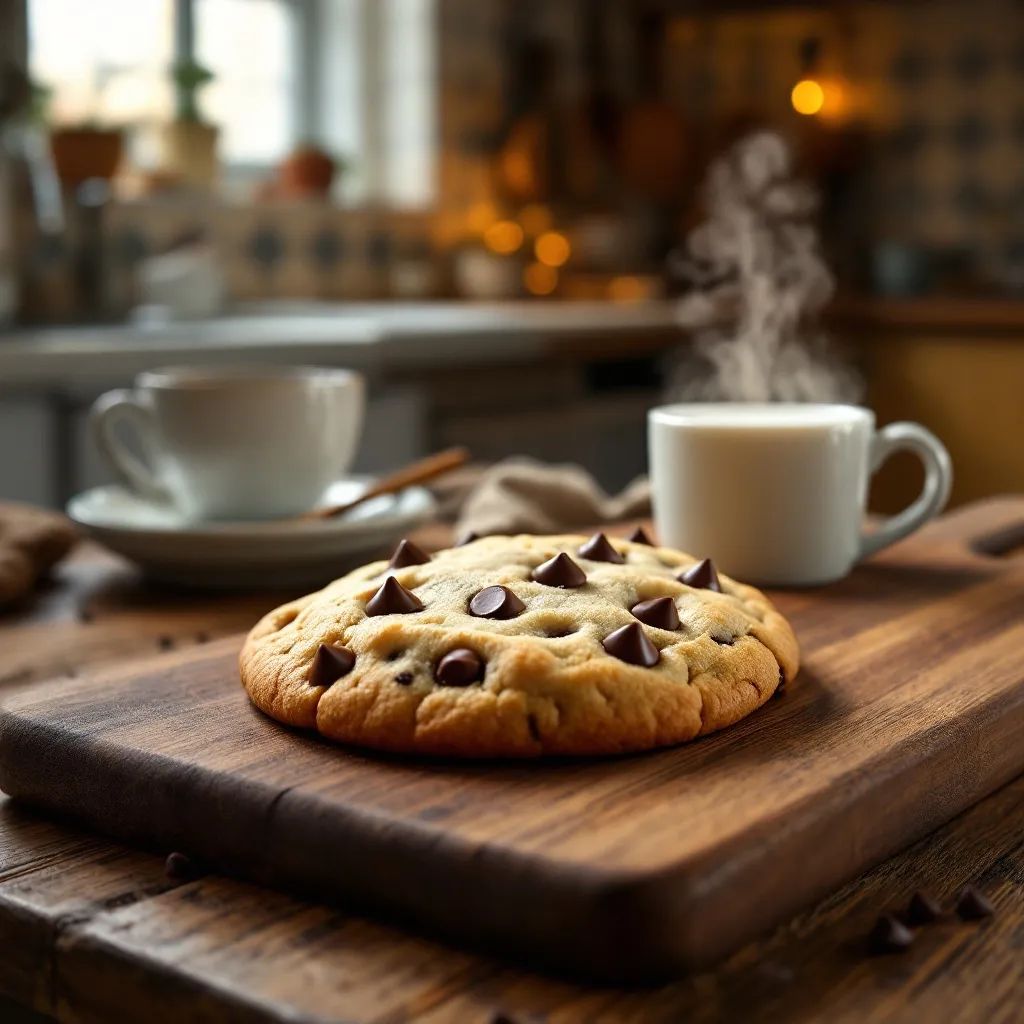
(938, 86)
(307, 250)
(935, 89)
(294, 250)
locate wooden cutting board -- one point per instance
(909, 707)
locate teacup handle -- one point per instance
(122, 406)
(938, 479)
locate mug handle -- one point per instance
(122, 405)
(938, 479)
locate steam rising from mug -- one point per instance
(756, 261)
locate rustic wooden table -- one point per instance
(93, 931)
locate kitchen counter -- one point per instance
(931, 314)
(433, 369)
(363, 336)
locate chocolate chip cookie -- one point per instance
(521, 646)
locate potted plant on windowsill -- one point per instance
(189, 144)
(86, 150)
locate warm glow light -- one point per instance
(479, 216)
(626, 289)
(504, 237)
(540, 280)
(807, 96)
(535, 218)
(552, 249)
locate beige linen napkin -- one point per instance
(522, 495)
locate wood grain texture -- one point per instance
(910, 708)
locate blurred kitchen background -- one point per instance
(483, 205)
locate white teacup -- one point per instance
(234, 443)
(775, 494)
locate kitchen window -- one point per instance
(356, 76)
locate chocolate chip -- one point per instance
(180, 867)
(599, 549)
(630, 644)
(85, 615)
(922, 909)
(393, 599)
(330, 663)
(165, 643)
(560, 571)
(202, 638)
(659, 611)
(467, 538)
(889, 935)
(403, 678)
(460, 667)
(780, 690)
(972, 905)
(639, 536)
(495, 602)
(702, 575)
(406, 554)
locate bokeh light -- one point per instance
(539, 279)
(627, 288)
(807, 97)
(504, 237)
(480, 216)
(552, 249)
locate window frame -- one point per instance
(368, 183)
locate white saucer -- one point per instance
(265, 555)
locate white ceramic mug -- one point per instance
(775, 494)
(234, 443)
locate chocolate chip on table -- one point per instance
(640, 536)
(973, 905)
(560, 571)
(392, 598)
(630, 644)
(181, 867)
(330, 663)
(922, 909)
(889, 935)
(599, 549)
(404, 678)
(407, 553)
(495, 602)
(702, 575)
(460, 667)
(659, 612)
(467, 538)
